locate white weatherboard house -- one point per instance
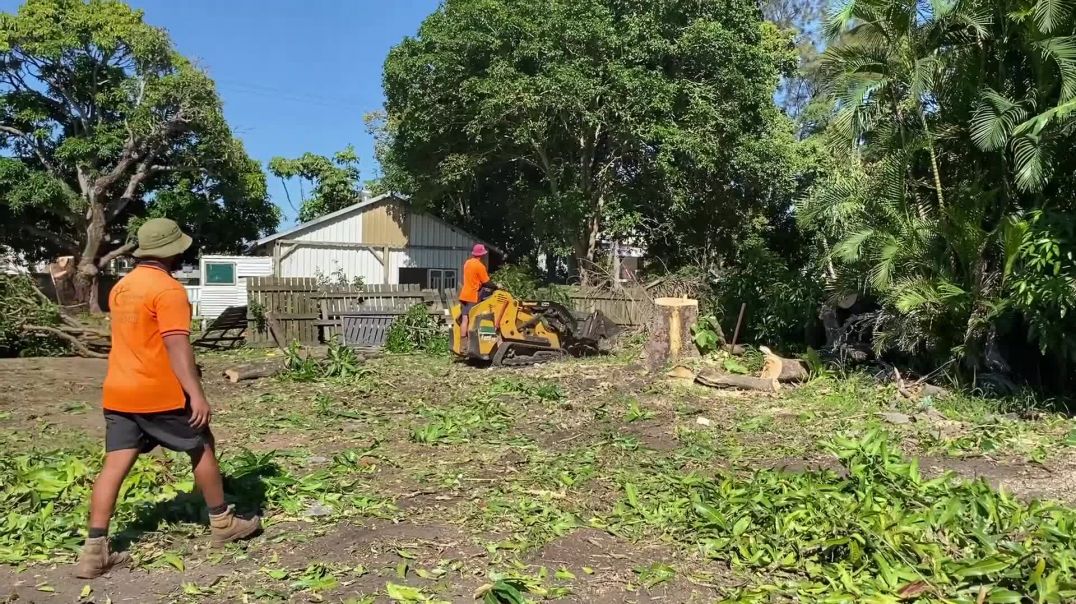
(380, 240)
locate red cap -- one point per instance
(478, 250)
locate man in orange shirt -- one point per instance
(475, 275)
(153, 394)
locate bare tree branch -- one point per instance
(123, 250)
(35, 145)
(70, 339)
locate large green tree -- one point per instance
(103, 123)
(333, 182)
(582, 120)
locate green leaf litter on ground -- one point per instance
(45, 497)
(865, 536)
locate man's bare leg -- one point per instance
(107, 487)
(207, 478)
(96, 559)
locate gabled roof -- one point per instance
(354, 209)
(351, 209)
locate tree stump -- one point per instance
(782, 369)
(670, 332)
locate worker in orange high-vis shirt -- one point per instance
(153, 394)
(475, 275)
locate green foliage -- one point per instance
(257, 311)
(505, 591)
(542, 390)
(341, 362)
(338, 278)
(882, 534)
(417, 330)
(462, 422)
(334, 183)
(45, 496)
(949, 198)
(782, 294)
(707, 334)
(552, 126)
(104, 124)
(524, 284)
(21, 304)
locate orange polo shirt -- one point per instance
(145, 305)
(474, 276)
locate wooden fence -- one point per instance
(304, 311)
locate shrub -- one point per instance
(417, 331)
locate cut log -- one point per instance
(670, 332)
(254, 371)
(741, 382)
(781, 369)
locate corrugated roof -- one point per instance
(355, 208)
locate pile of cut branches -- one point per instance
(32, 325)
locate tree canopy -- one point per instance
(103, 123)
(577, 121)
(333, 182)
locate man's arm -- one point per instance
(174, 321)
(181, 357)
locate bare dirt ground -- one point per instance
(443, 478)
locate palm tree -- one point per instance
(985, 92)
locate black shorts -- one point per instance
(466, 308)
(144, 431)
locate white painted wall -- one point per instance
(308, 261)
(343, 229)
(215, 299)
(427, 230)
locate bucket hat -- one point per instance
(161, 238)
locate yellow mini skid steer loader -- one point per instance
(508, 332)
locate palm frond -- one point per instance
(1029, 157)
(994, 120)
(850, 249)
(1062, 51)
(1014, 232)
(1050, 14)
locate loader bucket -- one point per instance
(597, 330)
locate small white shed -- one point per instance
(380, 240)
(223, 282)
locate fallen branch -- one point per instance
(75, 343)
(741, 382)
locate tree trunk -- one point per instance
(86, 289)
(670, 332)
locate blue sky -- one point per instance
(294, 75)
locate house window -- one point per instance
(219, 273)
(432, 278)
(442, 278)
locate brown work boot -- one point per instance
(95, 559)
(226, 527)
